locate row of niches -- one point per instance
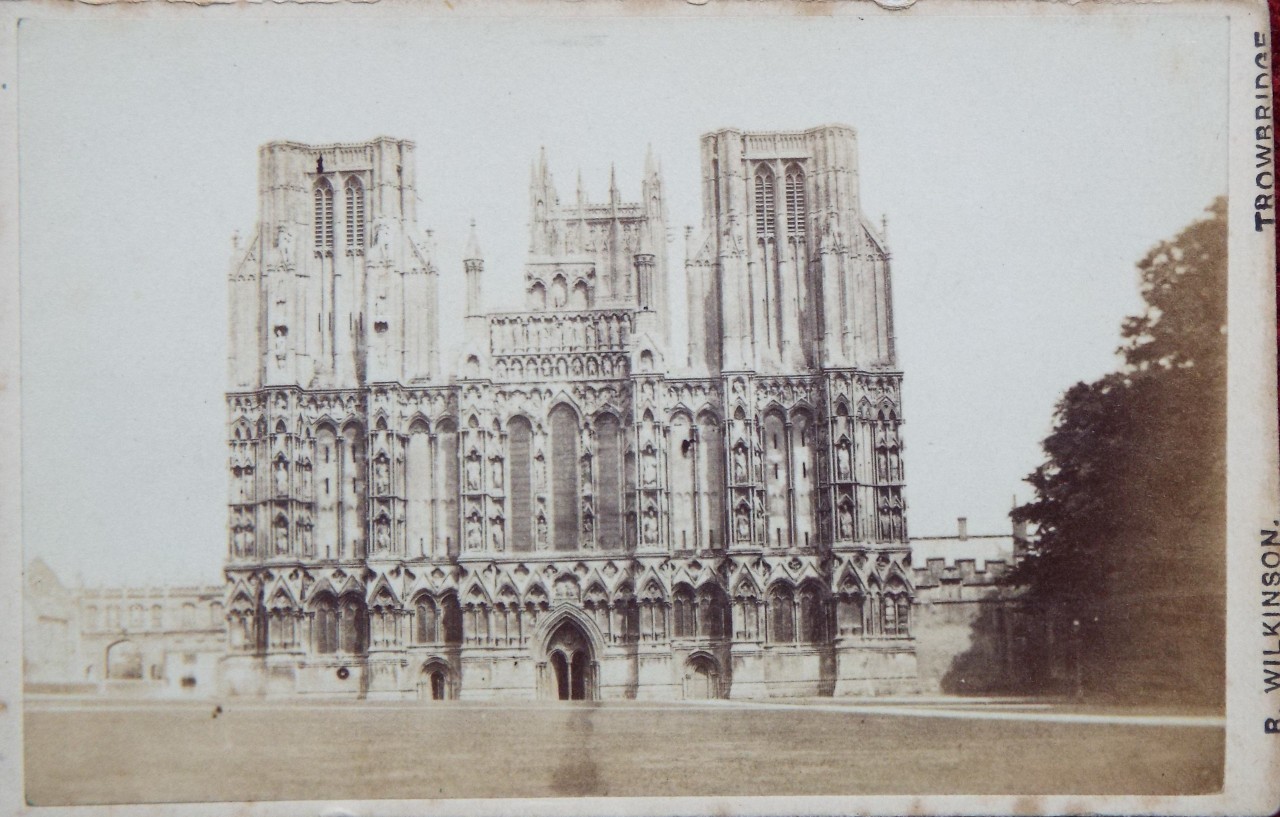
(585, 331)
(345, 626)
(559, 366)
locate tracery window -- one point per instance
(355, 214)
(323, 215)
(326, 626)
(764, 201)
(796, 214)
(428, 621)
(520, 460)
(782, 628)
(682, 613)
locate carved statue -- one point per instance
(381, 536)
(284, 246)
(304, 534)
(282, 478)
(381, 252)
(495, 473)
(846, 523)
(498, 537)
(381, 476)
(842, 461)
(306, 480)
(650, 468)
(249, 538)
(542, 531)
(473, 534)
(473, 473)
(742, 524)
(739, 464)
(649, 528)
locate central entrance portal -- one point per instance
(569, 653)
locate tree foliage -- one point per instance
(1129, 504)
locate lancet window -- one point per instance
(323, 216)
(355, 214)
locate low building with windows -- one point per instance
(570, 507)
(165, 641)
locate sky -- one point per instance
(1024, 166)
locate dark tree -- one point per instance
(1127, 572)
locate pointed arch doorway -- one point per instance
(572, 665)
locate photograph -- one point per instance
(779, 400)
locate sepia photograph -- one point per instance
(583, 403)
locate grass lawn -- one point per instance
(98, 754)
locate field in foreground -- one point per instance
(101, 753)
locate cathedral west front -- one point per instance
(563, 505)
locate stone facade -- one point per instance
(571, 509)
(165, 641)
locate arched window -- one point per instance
(796, 214)
(353, 626)
(157, 617)
(802, 448)
(188, 615)
(777, 480)
(447, 468)
(764, 201)
(609, 482)
(428, 621)
(352, 492)
(682, 613)
(419, 482)
(520, 463)
(326, 490)
(813, 621)
(355, 214)
(326, 625)
(681, 458)
(564, 477)
(781, 615)
(450, 620)
(713, 612)
(710, 452)
(323, 216)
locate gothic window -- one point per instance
(681, 459)
(326, 490)
(353, 626)
(447, 467)
(802, 476)
(764, 201)
(609, 481)
(323, 216)
(682, 613)
(520, 457)
(135, 616)
(355, 214)
(351, 491)
(326, 625)
(419, 480)
(781, 615)
(157, 617)
(813, 623)
(777, 480)
(428, 621)
(564, 477)
(710, 453)
(796, 214)
(714, 617)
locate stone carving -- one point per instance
(846, 523)
(473, 471)
(284, 246)
(281, 478)
(495, 473)
(740, 464)
(381, 475)
(843, 470)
